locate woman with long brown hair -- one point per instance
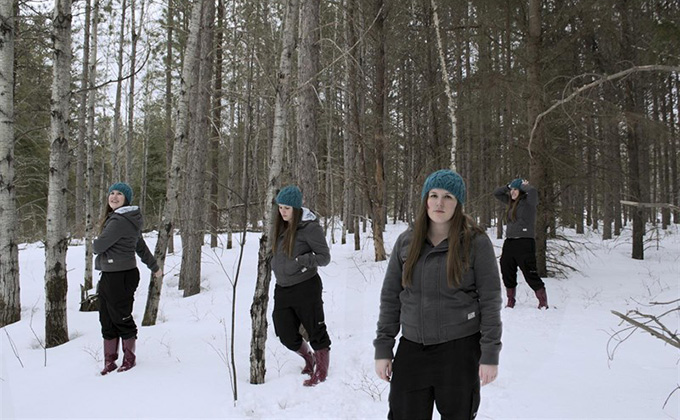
(299, 248)
(442, 291)
(519, 248)
(118, 242)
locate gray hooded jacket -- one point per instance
(524, 224)
(120, 239)
(309, 252)
(430, 312)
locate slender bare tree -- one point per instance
(308, 68)
(10, 305)
(89, 150)
(258, 310)
(56, 241)
(187, 82)
(81, 158)
(195, 209)
(115, 138)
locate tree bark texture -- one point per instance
(115, 137)
(195, 210)
(307, 135)
(258, 309)
(165, 231)
(539, 169)
(10, 303)
(56, 241)
(89, 148)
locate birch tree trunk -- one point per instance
(134, 36)
(89, 151)
(81, 190)
(447, 84)
(169, 136)
(187, 82)
(56, 241)
(258, 310)
(115, 138)
(308, 67)
(10, 304)
(195, 210)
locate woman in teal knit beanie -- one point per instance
(118, 242)
(519, 248)
(299, 248)
(442, 293)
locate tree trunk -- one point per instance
(89, 151)
(308, 67)
(169, 135)
(193, 236)
(81, 158)
(451, 102)
(10, 304)
(539, 169)
(216, 124)
(633, 109)
(352, 125)
(56, 240)
(258, 310)
(377, 191)
(115, 138)
(187, 83)
(134, 36)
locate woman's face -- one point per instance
(286, 212)
(116, 199)
(514, 193)
(440, 205)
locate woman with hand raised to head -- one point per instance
(442, 291)
(519, 248)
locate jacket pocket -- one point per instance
(290, 266)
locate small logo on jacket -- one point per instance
(471, 315)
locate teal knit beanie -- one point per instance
(124, 188)
(447, 180)
(515, 183)
(290, 196)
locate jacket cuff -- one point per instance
(489, 358)
(382, 352)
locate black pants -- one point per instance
(444, 374)
(520, 252)
(300, 304)
(116, 292)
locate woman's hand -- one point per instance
(158, 274)
(383, 367)
(487, 373)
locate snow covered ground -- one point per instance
(554, 364)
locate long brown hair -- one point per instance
(463, 228)
(511, 213)
(289, 229)
(107, 211)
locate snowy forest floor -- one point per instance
(555, 364)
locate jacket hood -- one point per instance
(308, 215)
(132, 214)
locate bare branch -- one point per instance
(648, 329)
(577, 92)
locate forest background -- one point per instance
(207, 107)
